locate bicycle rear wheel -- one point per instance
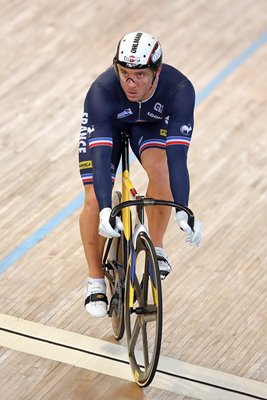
(116, 285)
(143, 311)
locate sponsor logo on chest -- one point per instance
(124, 113)
(150, 114)
(158, 108)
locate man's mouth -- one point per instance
(131, 94)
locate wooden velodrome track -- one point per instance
(215, 325)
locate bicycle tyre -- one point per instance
(143, 321)
(116, 288)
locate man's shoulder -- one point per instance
(103, 95)
(173, 74)
(175, 82)
(104, 87)
(107, 79)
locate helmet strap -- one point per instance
(154, 77)
(116, 69)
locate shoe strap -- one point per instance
(164, 274)
(96, 297)
(161, 258)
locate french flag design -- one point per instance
(103, 141)
(87, 178)
(174, 140)
(152, 143)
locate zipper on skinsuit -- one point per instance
(140, 106)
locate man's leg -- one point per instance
(154, 162)
(93, 245)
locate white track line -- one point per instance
(111, 359)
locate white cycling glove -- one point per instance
(193, 236)
(105, 229)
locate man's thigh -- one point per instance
(148, 136)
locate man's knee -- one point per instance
(90, 200)
(155, 165)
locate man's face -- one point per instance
(136, 83)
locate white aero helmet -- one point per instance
(138, 50)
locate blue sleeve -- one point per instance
(99, 109)
(180, 128)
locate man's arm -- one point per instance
(99, 110)
(180, 130)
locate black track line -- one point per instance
(252, 396)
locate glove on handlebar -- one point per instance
(105, 229)
(193, 235)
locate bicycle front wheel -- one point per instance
(143, 311)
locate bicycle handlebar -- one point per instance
(147, 201)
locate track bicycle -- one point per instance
(131, 268)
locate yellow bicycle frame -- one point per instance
(127, 189)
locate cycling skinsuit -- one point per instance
(164, 121)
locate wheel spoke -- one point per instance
(146, 279)
(145, 344)
(138, 291)
(135, 335)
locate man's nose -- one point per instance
(130, 81)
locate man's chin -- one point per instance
(132, 97)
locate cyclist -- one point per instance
(155, 103)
